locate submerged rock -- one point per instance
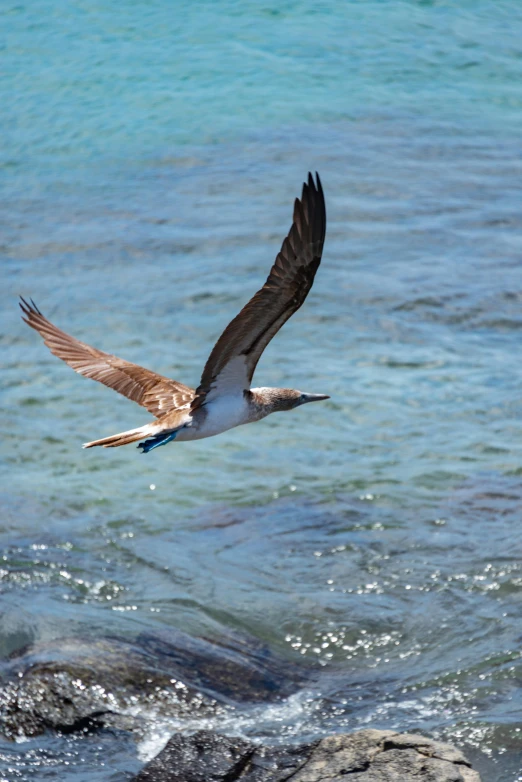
(366, 756)
(78, 684)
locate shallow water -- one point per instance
(151, 161)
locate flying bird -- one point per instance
(224, 398)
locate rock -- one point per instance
(236, 668)
(81, 684)
(366, 756)
(78, 687)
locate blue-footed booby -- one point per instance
(224, 398)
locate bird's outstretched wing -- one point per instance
(233, 360)
(158, 394)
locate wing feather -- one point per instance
(158, 394)
(236, 353)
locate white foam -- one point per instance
(265, 720)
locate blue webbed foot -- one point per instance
(156, 441)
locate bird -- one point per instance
(224, 398)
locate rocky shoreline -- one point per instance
(75, 686)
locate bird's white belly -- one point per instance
(222, 413)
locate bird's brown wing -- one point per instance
(233, 360)
(158, 394)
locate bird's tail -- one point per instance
(124, 438)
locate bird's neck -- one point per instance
(261, 401)
(269, 400)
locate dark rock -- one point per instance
(366, 756)
(79, 684)
(237, 668)
(203, 757)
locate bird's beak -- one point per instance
(313, 398)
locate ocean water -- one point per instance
(151, 153)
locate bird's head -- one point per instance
(279, 399)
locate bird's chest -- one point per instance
(221, 414)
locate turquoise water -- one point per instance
(151, 155)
